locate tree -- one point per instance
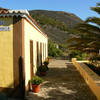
(88, 37)
(53, 51)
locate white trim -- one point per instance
(32, 23)
(22, 15)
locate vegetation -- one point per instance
(68, 18)
(46, 63)
(94, 68)
(72, 31)
(43, 68)
(53, 51)
(36, 80)
(78, 54)
(56, 24)
(88, 37)
(44, 20)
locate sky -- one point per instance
(80, 8)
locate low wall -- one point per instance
(91, 78)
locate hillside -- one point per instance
(57, 24)
(68, 18)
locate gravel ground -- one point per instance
(62, 82)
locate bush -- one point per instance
(43, 68)
(94, 68)
(78, 54)
(46, 63)
(36, 80)
(53, 51)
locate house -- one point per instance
(23, 47)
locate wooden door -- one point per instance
(31, 59)
(37, 54)
(41, 53)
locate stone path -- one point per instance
(63, 82)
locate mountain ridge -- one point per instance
(57, 24)
(59, 15)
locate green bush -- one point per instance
(94, 68)
(43, 68)
(78, 54)
(36, 80)
(53, 51)
(46, 63)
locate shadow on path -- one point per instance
(63, 82)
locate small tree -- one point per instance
(53, 51)
(88, 37)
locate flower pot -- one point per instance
(43, 73)
(35, 88)
(50, 59)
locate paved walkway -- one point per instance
(63, 82)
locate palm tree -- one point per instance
(88, 37)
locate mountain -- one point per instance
(68, 18)
(57, 24)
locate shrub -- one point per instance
(53, 51)
(78, 54)
(36, 80)
(43, 68)
(94, 68)
(46, 63)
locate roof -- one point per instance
(22, 13)
(18, 11)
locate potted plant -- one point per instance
(49, 59)
(46, 64)
(36, 81)
(42, 70)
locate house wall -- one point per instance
(6, 54)
(17, 47)
(33, 34)
(14, 44)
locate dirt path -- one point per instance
(63, 82)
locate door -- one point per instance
(37, 54)
(31, 59)
(41, 53)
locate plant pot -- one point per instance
(43, 73)
(35, 88)
(49, 59)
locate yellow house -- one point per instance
(23, 47)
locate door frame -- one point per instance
(31, 59)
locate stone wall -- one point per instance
(91, 78)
